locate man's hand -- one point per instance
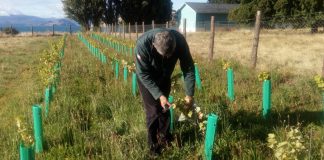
(189, 100)
(164, 102)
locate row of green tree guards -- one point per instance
(266, 83)
(212, 118)
(28, 152)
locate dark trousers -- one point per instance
(157, 122)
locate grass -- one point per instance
(94, 116)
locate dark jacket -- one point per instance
(153, 69)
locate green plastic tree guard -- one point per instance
(130, 51)
(116, 69)
(38, 129)
(26, 153)
(125, 74)
(230, 84)
(134, 85)
(198, 80)
(266, 98)
(170, 99)
(47, 99)
(53, 89)
(210, 135)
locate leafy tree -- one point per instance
(85, 12)
(78, 10)
(295, 13)
(224, 1)
(88, 12)
(146, 10)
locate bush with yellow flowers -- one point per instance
(291, 147)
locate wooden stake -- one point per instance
(143, 24)
(153, 24)
(124, 30)
(136, 30)
(212, 36)
(129, 31)
(254, 55)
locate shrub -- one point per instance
(9, 30)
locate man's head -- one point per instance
(165, 43)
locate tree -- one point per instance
(282, 13)
(78, 10)
(224, 1)
(146, 10)
(85, 12)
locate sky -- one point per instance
(50, 8)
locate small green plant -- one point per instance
(320, 82)
(291, 147)
(226, 64)
(264, 76)
(24, 133)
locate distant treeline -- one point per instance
(276, 13)
(87, 12)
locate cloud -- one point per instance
(40, 8)
(6, 11)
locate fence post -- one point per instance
(212, 35)
(11, 30)
(124, 30)
(167, 24)
(143, 24)
(32, 30)
(119, 29)
(70, 29)
(129, 31)
(185, 28)
(136, 30)
(115, 29)
(153, 24)
(53, 30)
(112, 29)
(254, 55)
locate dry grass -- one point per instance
(299, 51)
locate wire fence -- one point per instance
(294, 44)
(34, 30)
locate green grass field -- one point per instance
(94, 116)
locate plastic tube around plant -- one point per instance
(47, 99)
(230, 84)
(116, 69)
(170, 99)
(26, 153)
(130, 51)
(266, 98)
(197, 77)
(134, 83)
(210, 135)
(38, 128)
(53, 89)
(125, 74)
